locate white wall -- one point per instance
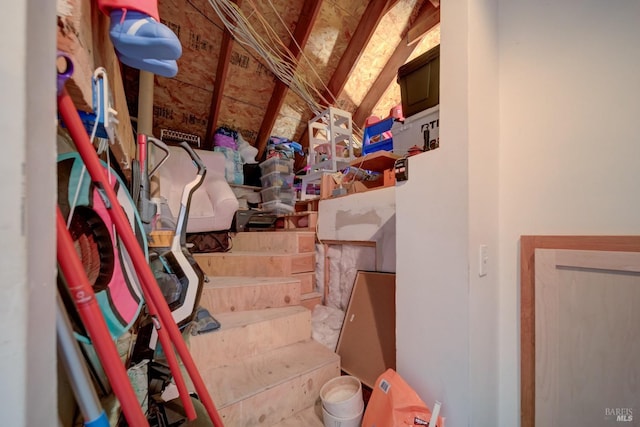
(483, 210)
(432, 291)
(556, 153)
(363, 217)
(569, 140)
(27, 269)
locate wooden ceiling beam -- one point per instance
(361, 36)
(425, 22)
(307, 18)
(403, 51)
(221, 75)
(390, 5)
(376, 10)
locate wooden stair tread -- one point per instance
(216, 282)
(262, 367)
(237, 253)
(310, 299)
(310, 295)
(249, 333)
(239, 293)
(252, 375)
(245, 263)
(307, 281)
(241, 319)
(308, 417)
(295, 241)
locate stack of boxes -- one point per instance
(278, 194)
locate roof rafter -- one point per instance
(376, 9)
(307, 18)
(429, 17)
(221, 75)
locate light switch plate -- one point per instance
(483, 260)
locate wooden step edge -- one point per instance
(308, 417)
(307, 281)
(310, 295)
(268, 241)
(237, 253)
(248, 233)
(241, 295)
(220, 282)
(310, 300)
(252, 375)
(242, 319)
(256, 264)
(281, 401)
(305, 221)
(249, 333)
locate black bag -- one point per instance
(210, 241)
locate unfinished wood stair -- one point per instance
(288, 254)
(250, 333)
(237, 293)
(261, 367)
(265, 389)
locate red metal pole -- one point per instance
(165, 340)
(147, 280)
(91, 316)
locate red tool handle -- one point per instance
(91, 316)
(145, 275)
(167, 347)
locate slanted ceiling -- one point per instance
(351, 54)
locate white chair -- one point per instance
(213, 204)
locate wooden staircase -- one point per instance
(261, 367)
(289, 254)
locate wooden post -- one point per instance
(145, 103)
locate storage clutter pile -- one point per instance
(277, 192)
(237, 152)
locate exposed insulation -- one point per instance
(326, 323)
(344, 263)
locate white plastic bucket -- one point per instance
(342, 398)
(333, 421)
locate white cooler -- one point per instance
(415, 129)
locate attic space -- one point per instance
(282, 63)
(255, 148)
(287, 62)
